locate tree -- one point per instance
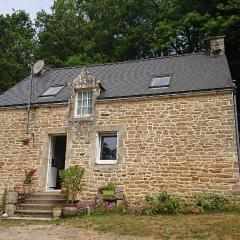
(79, 32)
(183, 26)
(16, 48)
(61, 33)
(95, 31)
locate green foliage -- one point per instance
(102, 209)
(27, 180)
(29, 173)
(211, 202)
(16, 48)
(105, 207)
(96, 31)
(83, 59)
(3, 201)
(109, 186)
(72, 179)
(167, 204)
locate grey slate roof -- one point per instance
(191, 72)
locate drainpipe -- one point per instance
(236, 122)
(30, 100)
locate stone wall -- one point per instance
(183, 144)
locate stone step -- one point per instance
(33, 213)
(44, 201)
(46, 195)
(32, 206)
(29, 218)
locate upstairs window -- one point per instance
(162, 81)
(84, 103)
(52, 91)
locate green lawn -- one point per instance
(205, 226)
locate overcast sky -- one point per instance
(30, 6)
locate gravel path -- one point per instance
(53, 232)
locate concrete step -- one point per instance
(31, 206)
(46, 195)
(44, 201)
(33, 213)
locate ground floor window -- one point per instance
(107, 143)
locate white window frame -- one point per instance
(99, 136)
(76, 104)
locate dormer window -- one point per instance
(84, 103)
(84, 90)
(162, 81)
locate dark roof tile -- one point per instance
(189, 73)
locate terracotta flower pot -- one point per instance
(64, 190)
(25, 142)
(69, 210)
(26, 188)
(16, 188)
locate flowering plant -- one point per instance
(26, 140)
(29, 173)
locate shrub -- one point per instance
(72, 180)
(210, 202)
(107, 207)
(167, 204)
(189, 206)
(3, 201)
(104, 208)
(233, 205)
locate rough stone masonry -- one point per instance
(183, 144)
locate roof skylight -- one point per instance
(162, 81)
(52, 91)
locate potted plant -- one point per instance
(16, 188)
(57, 211)
(109, 189)
(72, 179)
(26, 140)
(29, 173)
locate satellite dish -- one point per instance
(38, 66)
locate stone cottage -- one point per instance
(164, 123)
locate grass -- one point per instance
(205, 226)
(224, 226)
(10, 223)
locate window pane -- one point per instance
(84, 103)
(79, 109)
(89, 102)
(90, 95)
(80, 96)
(160, 81)
(85, 94)
(108, 147)
(89, 110)
(84, 111)
(52, 91)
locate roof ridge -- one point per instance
(130, 61)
